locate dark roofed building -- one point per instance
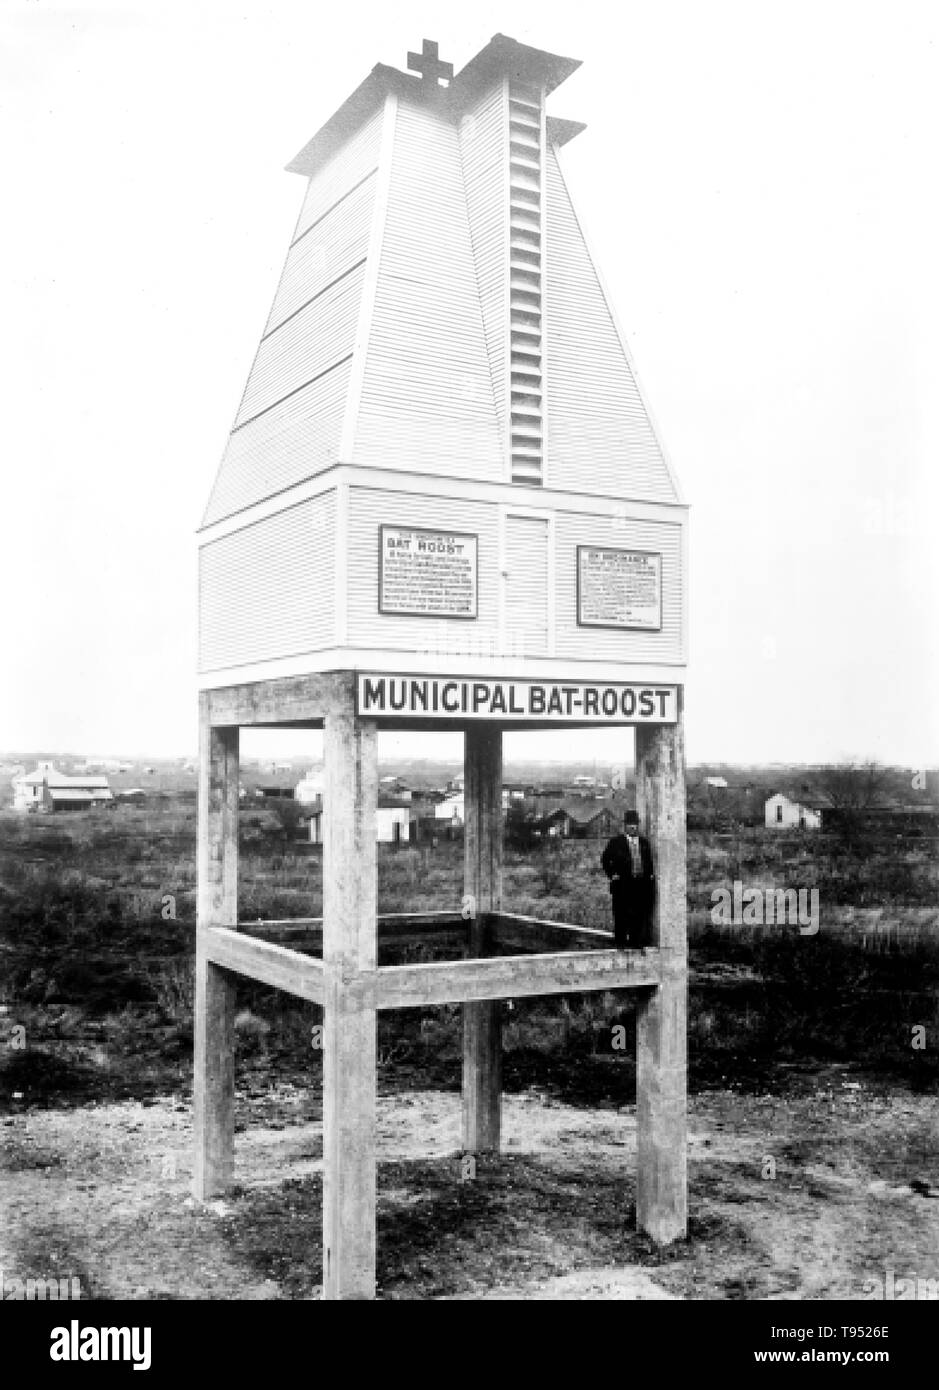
(47, 789)
(580, 819)
(275, 791)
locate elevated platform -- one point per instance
(569, 959)
(483, 953)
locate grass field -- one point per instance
(801, 1049)
(96, 935)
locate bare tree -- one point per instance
(852, 791)
(853, 786)
(695, 793)
(287, 813)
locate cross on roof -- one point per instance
(428, 63)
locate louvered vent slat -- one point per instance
(526, 219)
(526, 173)
(526, 170)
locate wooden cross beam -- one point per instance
(428, 64)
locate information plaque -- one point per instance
(429, 574)
(619, 588)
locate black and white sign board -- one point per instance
(619, 588)
(383, 696)
(428, 574)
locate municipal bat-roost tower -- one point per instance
(443, 505)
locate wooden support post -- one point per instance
(661, 1029)
(213, 1090)
(482, 1022)
(349, 958)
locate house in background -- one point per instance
(396, 788)
(393, 824)
(782, 813)
(102, 765)
(270, 790)
(580, 820)
(514, 792)
(47, 789)
(451, 808)
(310, 788)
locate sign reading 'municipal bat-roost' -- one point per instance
(574, 702)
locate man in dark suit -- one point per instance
(627, 863)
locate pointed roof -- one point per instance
(53, 778)
(417, 326)
(582, 812)
(502, 57)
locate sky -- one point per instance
(758, 181)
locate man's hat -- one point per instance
(631, 818)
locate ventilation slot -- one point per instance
(526, 174)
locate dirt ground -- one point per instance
(801, 1196)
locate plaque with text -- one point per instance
(427, 574)
(619, 588)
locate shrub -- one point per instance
(173, 987)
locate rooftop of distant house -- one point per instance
(47, 773)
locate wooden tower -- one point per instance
(443, 504)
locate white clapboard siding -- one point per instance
(357, 159)
(526, 588)
(308, 344)
(268, 591)
(427, 401)
(371, 507)
(599, 434)
(330, 249)
(484, 156)
(286, 445)
(592, 643)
